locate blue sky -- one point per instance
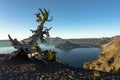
(71, 18)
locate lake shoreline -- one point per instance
(79, 55)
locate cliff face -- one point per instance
(109, 58)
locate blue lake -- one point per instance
(75, 57)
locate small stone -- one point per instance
(70, 76)
(33, 69)
(21, 77)
(49, 78)
(80, 74)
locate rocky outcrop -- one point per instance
(109, 58)
(67, 46)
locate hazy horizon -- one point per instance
(74, 38)
(71, 18)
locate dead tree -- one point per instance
(42, 17)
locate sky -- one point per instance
(71, 18)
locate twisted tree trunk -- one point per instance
(38, 33)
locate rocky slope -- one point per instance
(22, 69)
(109, 58)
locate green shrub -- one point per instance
(104, 69)
(113, 70)
(96, 74)
(58, 61)
(47, 55)
(51, 55)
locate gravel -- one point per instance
(22, 69)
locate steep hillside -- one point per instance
(109, 58)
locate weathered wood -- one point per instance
(37, 34)
(15, 41)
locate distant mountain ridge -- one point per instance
(55, 41)
(5, 43)
(98, 41)
(67, 44)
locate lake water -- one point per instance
(75, 57)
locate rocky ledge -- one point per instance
(25, 69)
(109, 58)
